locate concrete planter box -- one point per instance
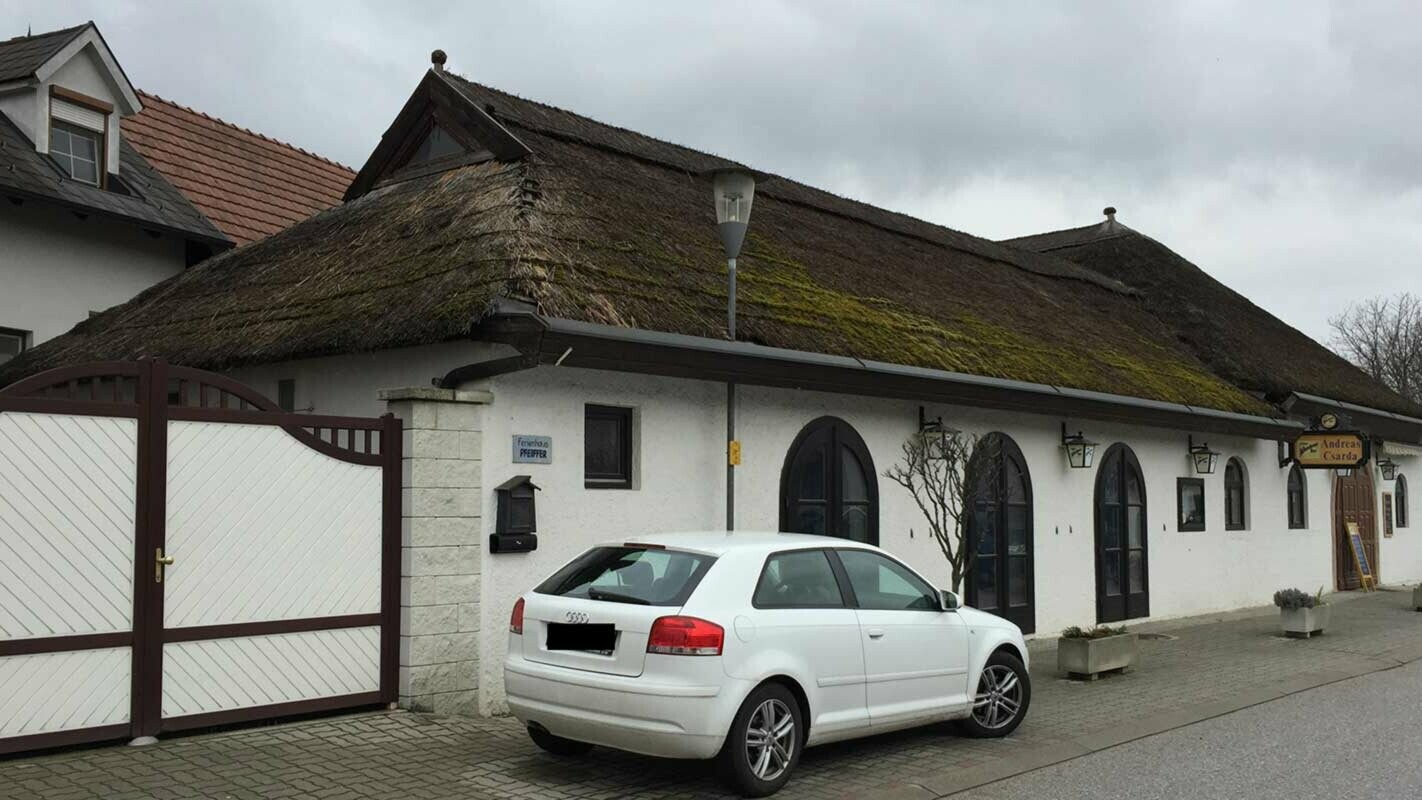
(1087, 659)
(1305, 622)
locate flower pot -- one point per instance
(1304, 622)
(1087, 659)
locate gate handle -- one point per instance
(161, 561)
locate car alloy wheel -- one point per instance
(999, 697)
(770, 740)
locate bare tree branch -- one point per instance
(939, 474)
(1383, 337)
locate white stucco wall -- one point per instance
(55, 268)
(346, 385)
(679, 428)
(679, 485)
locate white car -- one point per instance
(749, 647)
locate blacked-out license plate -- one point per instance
(594, 637)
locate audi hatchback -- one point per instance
(748, 648)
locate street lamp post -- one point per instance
(734, 191)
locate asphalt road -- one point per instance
(1360, 738)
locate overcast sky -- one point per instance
(1278, 146)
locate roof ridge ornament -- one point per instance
(437, 60)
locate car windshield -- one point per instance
(640, 575)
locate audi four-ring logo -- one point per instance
(577, 617)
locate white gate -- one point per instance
(175, 552)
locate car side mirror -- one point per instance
(947, 600)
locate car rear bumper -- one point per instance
(636, 714)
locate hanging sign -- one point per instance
(1331, 450)
(532, 449)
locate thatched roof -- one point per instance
(601, 224)
(1235, 338)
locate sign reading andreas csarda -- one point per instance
(1331, 450)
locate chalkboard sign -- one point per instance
(1360, 556)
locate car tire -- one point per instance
(1000, 701)
(754, 769)
(557, 745)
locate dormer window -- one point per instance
(77, 129)
(78, 152)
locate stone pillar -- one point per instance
(442, 547)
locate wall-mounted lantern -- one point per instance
(1388, 467)
(1205, 459)
(1080, 451)
(516, 521)
(934, 435)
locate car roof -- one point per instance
(722, 542)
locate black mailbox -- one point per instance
(516, 520)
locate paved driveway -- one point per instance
(1208, 667)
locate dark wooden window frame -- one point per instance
(1180, 523)
(1129, 462)
(1242, 488)
(1399, 496)
(1010, 451)
(622, 479)
(1299, 521)
(286, 394)
(844, 435)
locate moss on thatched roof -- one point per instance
(604, 225)
(1236, 339)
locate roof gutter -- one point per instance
(1385, 424)
(580, 344)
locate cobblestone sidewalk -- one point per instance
(1201, 667)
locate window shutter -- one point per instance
(74, 114)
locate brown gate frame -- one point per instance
(154, 393)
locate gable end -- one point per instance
(435, 103)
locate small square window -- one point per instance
(607, 447)
(12, 343)
(286, 394)
(1190, 503)
(78, 152)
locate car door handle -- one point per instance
(876, 633)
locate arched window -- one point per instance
(999, 532)
(1236, 497)
(1298, 498)
(1399, 499)
(1122, 566)
(828, 485)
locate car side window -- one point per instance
(883, 584)
(798, 579)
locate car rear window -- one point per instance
(644, 576)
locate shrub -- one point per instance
(1294, 599)
(1098, 632)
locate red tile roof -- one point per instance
(250, 186)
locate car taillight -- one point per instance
(685, 636)
(516, 618)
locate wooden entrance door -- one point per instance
(1122, 569)
(1353, 502)
(1000, 533)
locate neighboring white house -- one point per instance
(109, 191)
(543, 295)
